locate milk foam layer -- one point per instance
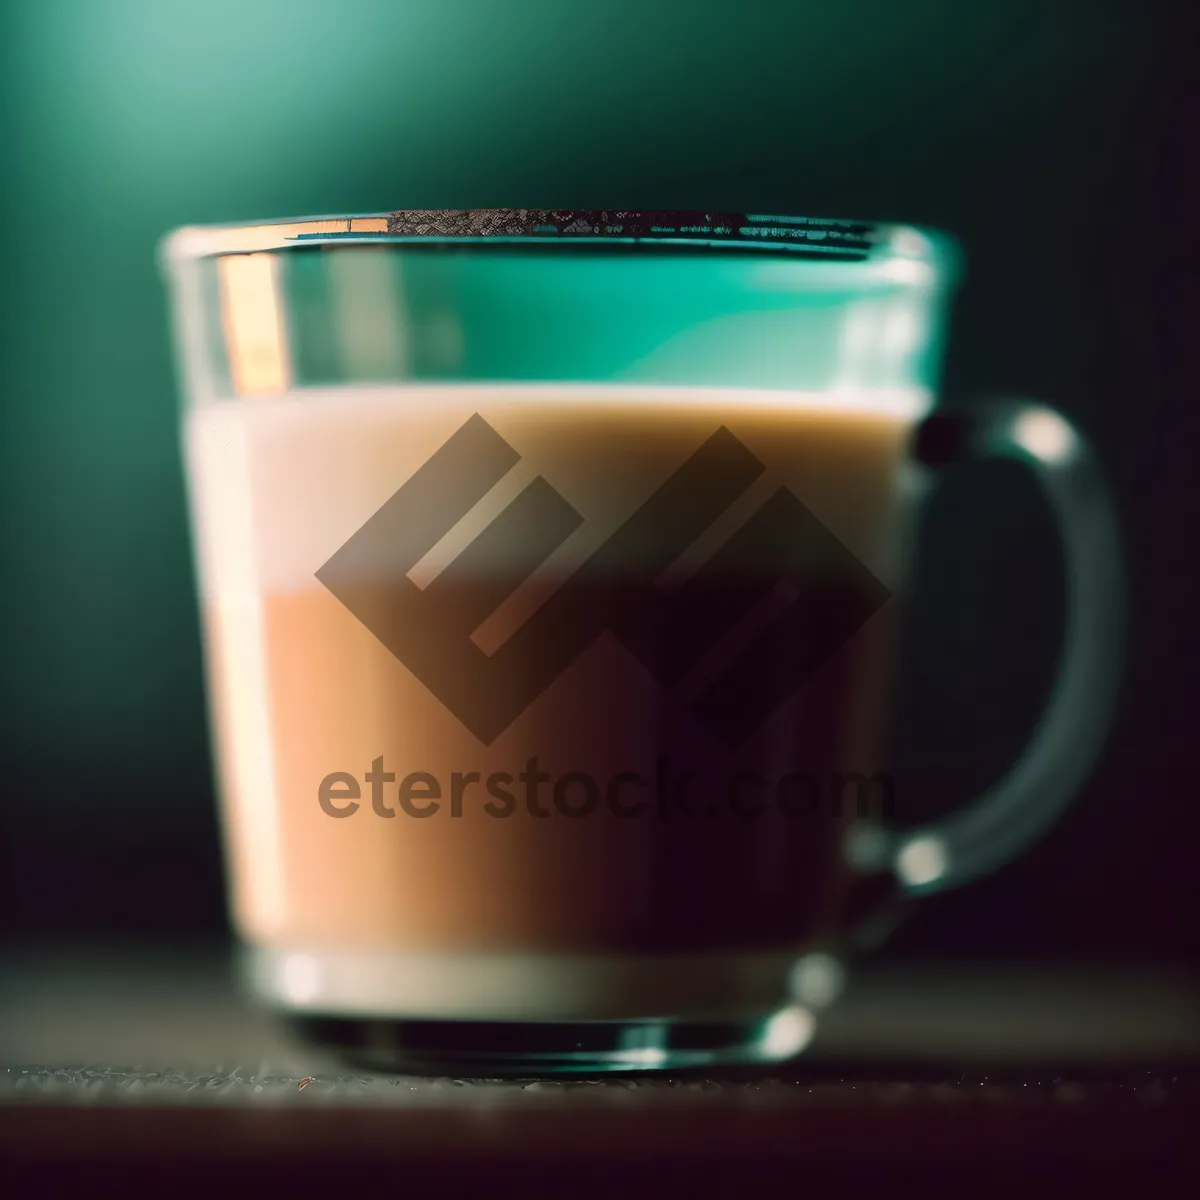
(241, 455)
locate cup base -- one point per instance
(503, 1014)
(529, 988)
(486, 1049)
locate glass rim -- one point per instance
(691, 233)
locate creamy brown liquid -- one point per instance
(300, 688)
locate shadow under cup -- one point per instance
(549, 574)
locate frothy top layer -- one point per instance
(278, 484)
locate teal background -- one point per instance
(1033, 131)
(714, 319)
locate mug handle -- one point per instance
(1009, 816)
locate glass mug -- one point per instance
(549, 566)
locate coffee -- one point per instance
(549, 565)
(616, 782)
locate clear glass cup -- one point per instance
(549, 566)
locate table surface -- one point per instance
(118, 1057)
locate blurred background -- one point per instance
(1048, 136)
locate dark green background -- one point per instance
(1035, 131)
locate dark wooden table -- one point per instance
(141, 1065)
